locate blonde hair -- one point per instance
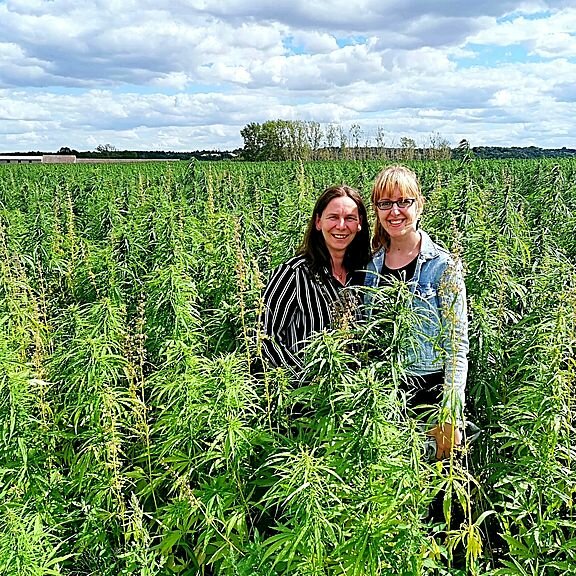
(385, 184)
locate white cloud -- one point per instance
(191, 73)
(315, 42)
(549, 35)
(173, 81)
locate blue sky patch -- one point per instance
(515, 15)
(351, 41)
(490, 56)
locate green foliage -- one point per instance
(137, 436)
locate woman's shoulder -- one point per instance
(296, 262)
(438, 262)
(376, 259)
(294, 266)
(431, 249)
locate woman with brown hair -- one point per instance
(304, 293)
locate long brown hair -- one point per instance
(384, 186)
(314, 247)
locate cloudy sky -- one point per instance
(190, 74)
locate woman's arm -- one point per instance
(280, 304)
(454, 318)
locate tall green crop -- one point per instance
(141, 436)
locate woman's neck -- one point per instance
(337, 265)
(406, 245)
(403, 250)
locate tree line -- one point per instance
(277, 140)
(309, 140)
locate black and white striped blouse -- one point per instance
(298, 303)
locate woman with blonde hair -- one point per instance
(437, 366)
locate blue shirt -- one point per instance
(439, 298)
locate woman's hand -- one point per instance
(447, 437)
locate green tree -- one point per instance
(279, 140)
(263, 141)
(408, 148)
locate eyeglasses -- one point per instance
(401, 203)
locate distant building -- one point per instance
(59, 159)
(14, 159)
(44, 159)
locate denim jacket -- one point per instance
(440, 300)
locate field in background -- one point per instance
(136, 439)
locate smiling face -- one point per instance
(339, 224)
(399, 222)
(394, 183)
